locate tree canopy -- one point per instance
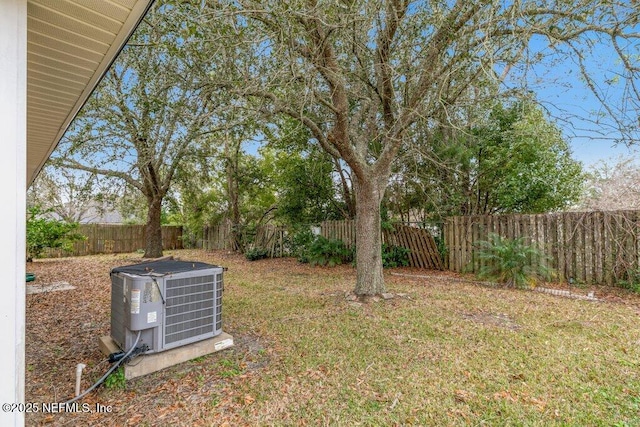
(145, 116)
(516, 161)
(360, 75)
(371, 82)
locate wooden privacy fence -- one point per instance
(269, 237)
(421, 244)
(586, 247)
(218, 237)
(118, 238)
(423, 250)
(344, 230)
(273, 239)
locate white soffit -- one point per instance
(70, 45)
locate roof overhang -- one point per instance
(70, 46)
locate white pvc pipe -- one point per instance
(79, 369)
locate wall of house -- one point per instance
(13, 89)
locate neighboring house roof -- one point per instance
(97, 216)
(93, 213)
(70, 46)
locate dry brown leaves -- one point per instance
(62, 330)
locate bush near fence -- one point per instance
(581, 247)
(117, 238)
(274, 239)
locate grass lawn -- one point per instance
(443, 352)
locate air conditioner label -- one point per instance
(135, 301)
(152, 316)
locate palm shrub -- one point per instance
(508, 261)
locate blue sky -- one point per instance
(591, 151)
(576, 109)
(561, 88)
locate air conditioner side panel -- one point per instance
(136, 305)
(144, 307)
(118, 329)
(148, 337)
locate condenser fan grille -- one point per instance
(190, 308)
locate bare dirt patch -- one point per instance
(493, 319)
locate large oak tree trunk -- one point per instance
(369, 238)
(153, 229)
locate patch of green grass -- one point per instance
(455, 354)
(214, 401)
(230, 368)
(451, 354)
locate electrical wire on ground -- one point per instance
(104, 377)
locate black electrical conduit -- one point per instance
(104, 377)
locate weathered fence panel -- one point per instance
(423, 251)
(219, 237)
(585, 247)
(421, 244)
(344, 230)
(117, 238)
(273, 239)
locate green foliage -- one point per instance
(329, 252)
(394, 256)
(527, 165)
(230, 368)
(513, 160)
(45, 233)
(508, 261)
(385, 221)
(318, 250)
(300, 243)
(116, 380)
(256, 192)
(442, 246)
(302, 174)
(305, 189)
(256, 254)
(631, 281)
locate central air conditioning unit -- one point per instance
(170, 302)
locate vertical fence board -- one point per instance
(598, 247)
(589, 248)
(578, 274)
(467, 241)
(412, 240)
